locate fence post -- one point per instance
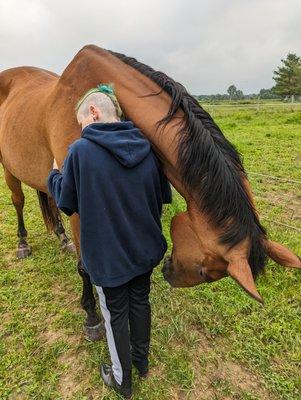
(258, 103)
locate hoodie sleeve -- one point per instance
(62, 186)
(165, 185)
(166, 189)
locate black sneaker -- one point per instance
(107, 376)
(142, 370)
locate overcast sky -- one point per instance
(206, 45)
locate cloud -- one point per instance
(205, 45)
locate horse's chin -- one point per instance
(168, 277)
(176, 283)
(176, 279)
(171, 281)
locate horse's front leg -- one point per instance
(59, 230)
(93, 328)
(17, 196)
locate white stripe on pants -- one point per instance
(116, 367)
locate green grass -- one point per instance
(208, 342)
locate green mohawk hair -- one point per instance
(106, 89)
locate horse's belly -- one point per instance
(28, 162)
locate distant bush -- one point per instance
(238, 96)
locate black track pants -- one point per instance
(127, 315)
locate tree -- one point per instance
(266, 94)
(288, 77)
(232, 91)
(239, 94)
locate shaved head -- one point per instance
(103, 103)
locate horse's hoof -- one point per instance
(24, 250)
(69, 247)
(94, 333)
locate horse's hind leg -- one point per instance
(59, 229)
(94, 327)
(18, 199)
(53, 221)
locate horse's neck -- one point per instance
(92, 66)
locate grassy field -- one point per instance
(208, 342)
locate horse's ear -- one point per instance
(240, 271)
(281, 255)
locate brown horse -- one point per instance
(219, 235)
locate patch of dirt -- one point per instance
(10, 260)
(241, 378)
(214, 371)
(74, 378)
(157, 371)
(202, 381)
(290, 201)
(203, 388)
(6, 317)
(51, 336)
(67, 294)
(18, 396)
(68, 385)
(177, 394)
(95, 395)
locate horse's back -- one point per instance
(18, 77)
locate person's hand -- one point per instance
(55, 166)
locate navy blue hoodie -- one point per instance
(113, 180)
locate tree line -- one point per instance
(287, 79)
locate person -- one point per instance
(114, 181)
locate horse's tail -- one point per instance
(47, 211)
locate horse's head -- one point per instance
(220, 234)
(198, 256)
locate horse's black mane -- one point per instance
(211, 168)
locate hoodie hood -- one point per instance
(125, 142)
